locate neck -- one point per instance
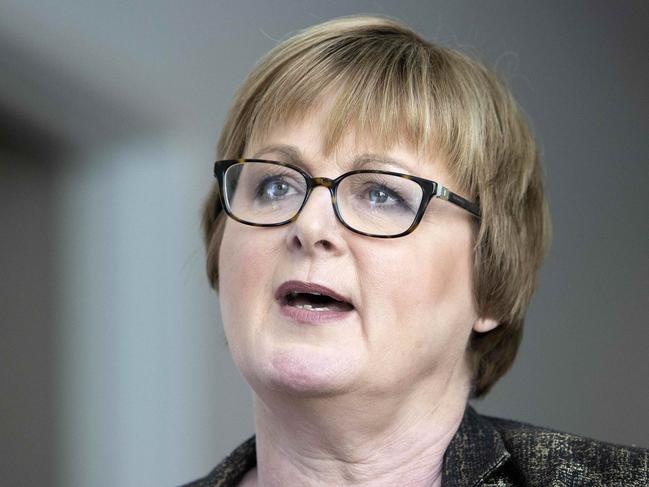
(397, 439)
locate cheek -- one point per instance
(244, 275)
(446, 272)
(420, 297)
(434, 278)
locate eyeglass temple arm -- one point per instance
(443, 193)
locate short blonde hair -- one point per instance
(390, 83)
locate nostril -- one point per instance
(296, 242)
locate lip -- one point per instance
(305, 315)
(307, 287)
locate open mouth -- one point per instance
(315, 302)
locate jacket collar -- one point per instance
(476, 450)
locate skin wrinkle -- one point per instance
(292, 155)
(495, 452)
(397, 441)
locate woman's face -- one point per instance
(412, 296)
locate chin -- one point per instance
(304, 370)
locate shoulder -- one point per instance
(544, 455)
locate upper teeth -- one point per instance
(292, 294)
(308, 306)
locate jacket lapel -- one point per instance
(476, 450)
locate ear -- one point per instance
(485, 324)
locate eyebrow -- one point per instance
(294, 156)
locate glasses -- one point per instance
(374, 203)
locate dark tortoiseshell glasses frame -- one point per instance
(430, 189)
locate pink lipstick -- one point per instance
(312, 303)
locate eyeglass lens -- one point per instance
(372, 203)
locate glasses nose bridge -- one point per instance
(328, 183)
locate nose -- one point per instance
(316, 228)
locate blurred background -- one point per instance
(113, 364)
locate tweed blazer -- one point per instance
(494, 452)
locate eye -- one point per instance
(378, 196)
(380, 193)
(276, 188)
(273, 188)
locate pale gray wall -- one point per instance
(114, 366)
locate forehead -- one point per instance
(307, 141)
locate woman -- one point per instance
(375, 235)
